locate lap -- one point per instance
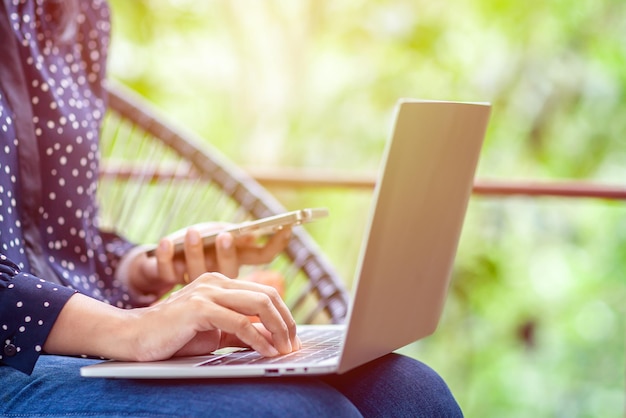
(56, 388)
(399, 386)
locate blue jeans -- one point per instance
(393, 385)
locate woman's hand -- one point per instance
(157, 275)
(211, 313)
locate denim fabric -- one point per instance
(391, 386)
(397, 386)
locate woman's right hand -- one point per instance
(210, 313)
(213, 312)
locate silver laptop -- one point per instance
(405, 263)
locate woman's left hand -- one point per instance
(156, 275)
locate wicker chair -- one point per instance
(156, 179)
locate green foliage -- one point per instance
(534, 325)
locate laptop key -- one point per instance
(316, 346)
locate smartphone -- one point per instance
(259, 227)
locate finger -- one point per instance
(264, 302)
(194, 254)
(227, 262)
(231, 340)
(246, 240)
(276, 328)
(266, 253)
(259, 304)
(165, 265)
(240, 326)
(205, 342)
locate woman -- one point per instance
(70, 290)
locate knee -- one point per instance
(400, 385)
(425, 390)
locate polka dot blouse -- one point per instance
(51, 107)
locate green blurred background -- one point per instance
(534, 325)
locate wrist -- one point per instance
(89, 327)
(133, 271)
(129, 267)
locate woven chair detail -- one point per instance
(155, 178)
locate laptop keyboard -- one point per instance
(317, 345)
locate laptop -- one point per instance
(405, 263)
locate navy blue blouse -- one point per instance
(51, 107)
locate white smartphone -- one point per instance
(259, 227)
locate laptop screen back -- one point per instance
(418, 211)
